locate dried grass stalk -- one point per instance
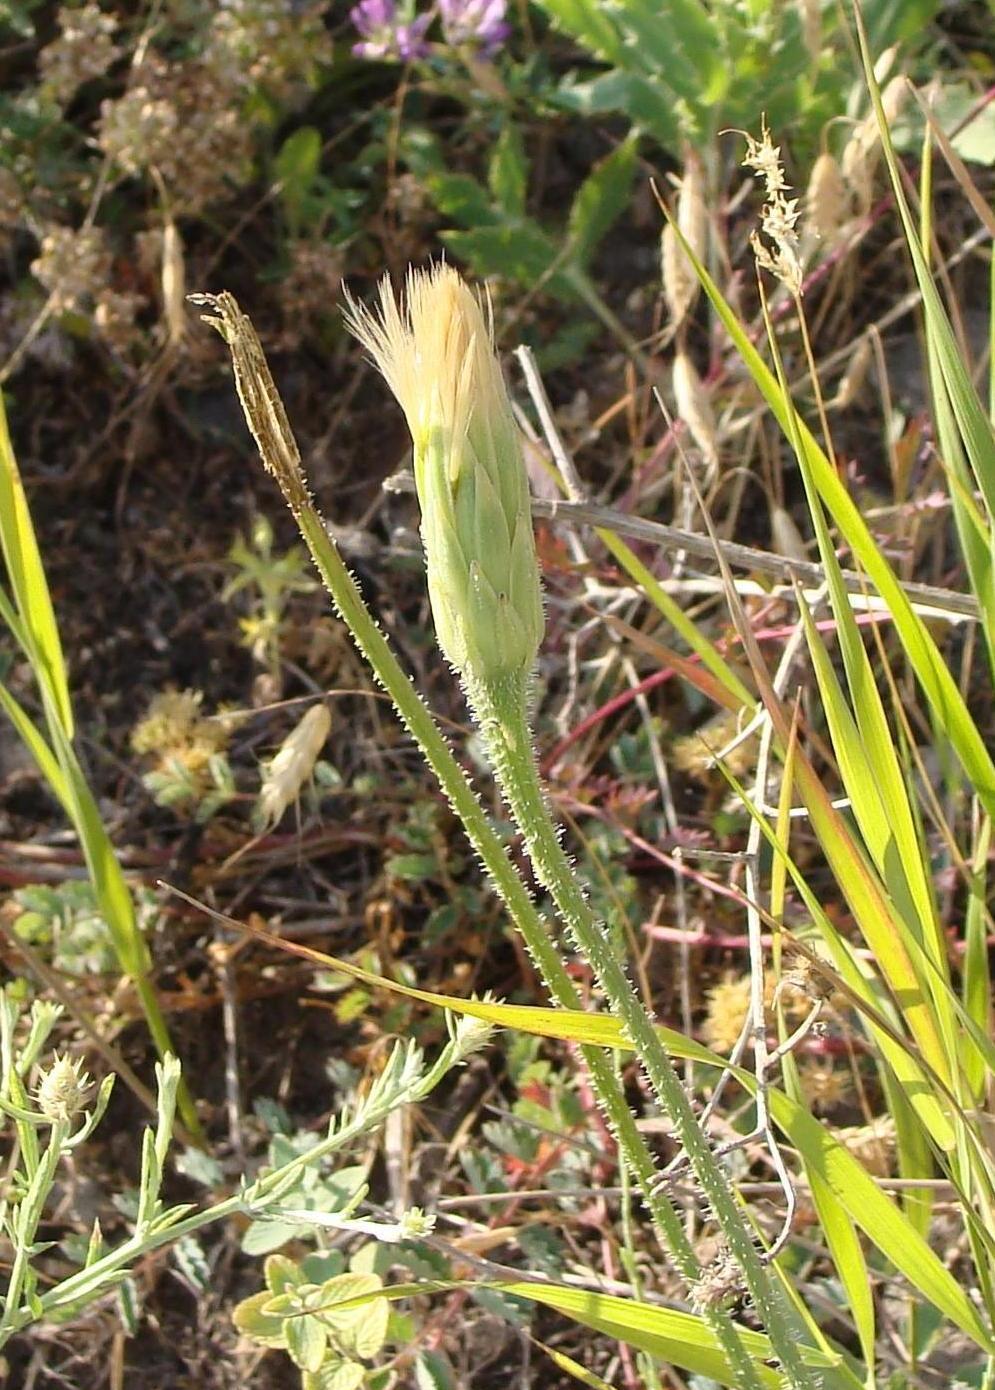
(811, 17)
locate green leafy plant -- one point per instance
(327, 1333)
(496, 235)
(269, 581)
(684, 70)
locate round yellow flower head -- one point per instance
(436, 352)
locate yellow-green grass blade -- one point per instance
(568, 1025)
(870, 1208)
(737, 693)
(34, 741)
(838, 1228)
(921, 651)
(672, 1337)
(669, 1335)
(110, 889)
(974, 426)
(884, 1030)
(711, 658)
(572, 1368)
(116, 904)
(28, 583)
(840, 1234)
(977, 983)
(875, 781)
(889, 832)
(881, 1219)
(973, 531)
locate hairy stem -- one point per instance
(268, 423)
(500, 708)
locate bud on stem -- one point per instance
(436, 352)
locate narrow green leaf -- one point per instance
(28, 582)
(34, 741)
(921, 651)
(974, 425)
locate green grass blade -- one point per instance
(710, 656)
(872, 1210)
(879, 1217)
(934, 676)
(977, 982)
(840, 1233)
(972, 421)
(28, 583)
(677, 1338)
(34, 741)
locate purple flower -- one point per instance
(382, 35)
(478, 22)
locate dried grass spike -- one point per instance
(680, 283)
(826, 210)
(173, 284)
(857, 167)
(695, 408)
(853, 379)
(293, 764)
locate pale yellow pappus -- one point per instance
(434, 350)
(293, 764)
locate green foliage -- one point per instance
(325, 1333)
(269, 580)
(496, 236)
(682, 70)
(66, 922)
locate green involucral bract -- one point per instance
(483, 577)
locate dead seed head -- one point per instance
(776, 245)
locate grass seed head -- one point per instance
(826, 203)
(436, 352)
(173, 283)
(694, 407)
(680, 283)
(777, 248)
(293, 764)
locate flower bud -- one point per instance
(437, 355)
(62, 1090)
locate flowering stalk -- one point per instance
(270, 428)
(438, 358)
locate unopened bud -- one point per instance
(437, 355)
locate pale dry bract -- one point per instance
(293, 764)
(436, 352)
